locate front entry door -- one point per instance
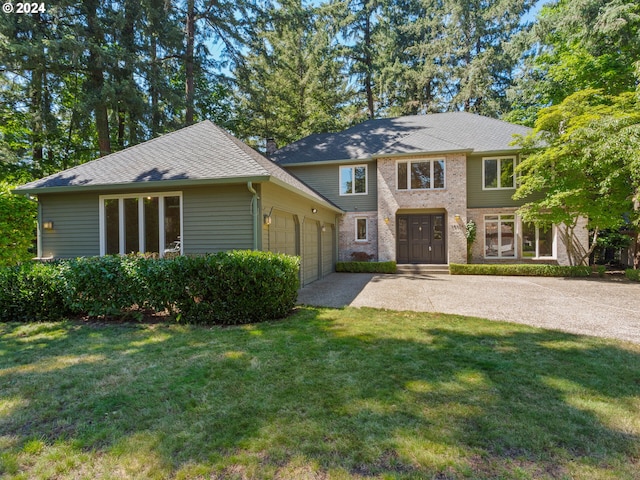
(421, 239)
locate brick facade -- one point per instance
(347, 236)
(452, 200)
(478, 214)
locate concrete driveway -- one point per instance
(600, 307)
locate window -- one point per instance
(499, 236)
(353, 180)
(498, 173)
(361, 230)
(421, 175)
(141, 223)
(538, 241)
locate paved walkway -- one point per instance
(601, 307)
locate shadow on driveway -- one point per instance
(601, 308)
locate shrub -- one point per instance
(32, 292)
(632, 274)
(520, 270)
(227, 288)
(366, 267)
(234, 287)
(106, 286)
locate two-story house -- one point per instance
(396, 189)
(409, 185)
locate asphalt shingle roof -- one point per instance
(438, 132)
(202, 151)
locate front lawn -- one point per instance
(340, 394)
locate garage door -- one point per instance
(328, 249)
(310, 252)
(282, 234)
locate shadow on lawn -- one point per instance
(405, 398)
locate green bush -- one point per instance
(520, 270)
(366, 267)
(107, 286)
(32, 292)
(632, 274)
(235, 287)
(17, 226)
(225, 288)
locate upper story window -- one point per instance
(499, 173)
(133, 223)
(353, 180)
(421, 175)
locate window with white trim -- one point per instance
(499, 173)
(538, 241)
(150, 223)
(499, 236)
(421, 174)
(362, 231)
(353, 180)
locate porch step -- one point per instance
(411, 269)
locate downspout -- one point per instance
(254, 209)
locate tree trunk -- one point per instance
(96, 78)
(368, 61)
(189, 60)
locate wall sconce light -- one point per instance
(267, 219)
(324, 229)
(456, 217)
(314, 210)
(47, 225)
(386, 220)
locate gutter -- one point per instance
(254, 209)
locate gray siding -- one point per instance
(76, 231)
(479, 198)
(217, 218)
(325, 179)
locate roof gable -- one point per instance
(198, 153)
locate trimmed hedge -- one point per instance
(224, 288)
(366, 267)
(632, 274)
(520, 270)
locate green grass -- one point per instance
(324, 394)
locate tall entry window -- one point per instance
(150, 223)
(500, 236)
(538, 241)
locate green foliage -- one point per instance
(32, 292)
(471, 231)
(366, 267)
(521, 270)
(17, 226)
(632, 274)
(106, 286)
(225, 288)
(583, 155)
(233, 288)
(588, 44)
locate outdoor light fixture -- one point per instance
(267, 219)
(457, 217)
(324, 229)
(47, 225)
(314, 210)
